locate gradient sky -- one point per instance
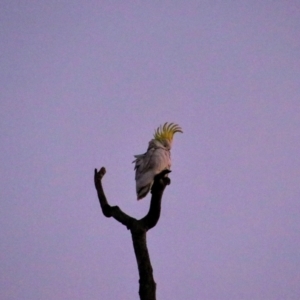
(85, 83)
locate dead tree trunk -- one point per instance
(138, 228)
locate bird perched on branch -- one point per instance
(156, 159)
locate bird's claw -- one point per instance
(166, 180)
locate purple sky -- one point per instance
(85, 83)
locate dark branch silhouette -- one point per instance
(138, 228)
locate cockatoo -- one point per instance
(156, 159)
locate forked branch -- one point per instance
(138, 228)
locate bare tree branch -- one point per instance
(159, 185)
(138, 228)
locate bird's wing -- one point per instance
(143, 161)
(149, 164)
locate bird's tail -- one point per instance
(143, 191)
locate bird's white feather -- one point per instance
(147, 165)
(156, 159)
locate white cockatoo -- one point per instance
(156, 159)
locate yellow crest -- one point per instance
(166, 131)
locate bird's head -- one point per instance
(165, 133)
